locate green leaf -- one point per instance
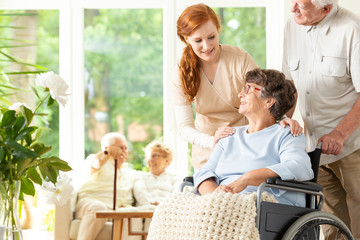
(16, 46)
(34, 176)
(24, 72)
(56, 162)
(36, 93)
(19, 124)
(22, 166)
(48, 171)
(61, 166)
(27, 187)
(27, 113)
(2, 153)
(10, 87)
(25, 132)
(50, 101)
(8, 119)
(41, 149)
(20, 151)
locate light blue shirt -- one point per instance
(273, 147)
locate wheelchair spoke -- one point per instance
(321, 230)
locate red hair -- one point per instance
(189, 68)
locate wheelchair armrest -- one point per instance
(308, 185)
(187, 181)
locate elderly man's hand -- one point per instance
(332, 143)
(117, 153)
(295, 127)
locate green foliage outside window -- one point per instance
(46, 44)
(123, 59)
(245, 28)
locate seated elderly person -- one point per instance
(262, 149)
(158, 184)
(97, 193)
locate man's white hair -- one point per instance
(323, 3)
(110, 138)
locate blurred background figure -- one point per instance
(96, 194)
(158, 184)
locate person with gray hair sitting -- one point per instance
(158, 184)
(97, 193)
(262, 149)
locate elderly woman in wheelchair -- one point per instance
(262, 156)
(264, 153)
(261, 149)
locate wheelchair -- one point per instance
(277, 221)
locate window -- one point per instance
(118, 58)
(123, 77)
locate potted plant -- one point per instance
(22, 160)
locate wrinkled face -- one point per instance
(205, 41)
(158, 162)
(250, 102)
(306, 13)
(121, 143)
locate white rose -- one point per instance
(60, 193)
(16, 107)
(56, 85)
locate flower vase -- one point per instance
(10, 228)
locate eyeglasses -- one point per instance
(155, 155)
(247, 88)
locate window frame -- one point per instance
(71, 62)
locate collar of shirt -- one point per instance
(324, 24)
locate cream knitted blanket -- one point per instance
(221, 216)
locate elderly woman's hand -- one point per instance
(238, 185)
(222, 188)
(295, 127)
(223, 132)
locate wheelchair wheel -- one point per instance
(315, 226)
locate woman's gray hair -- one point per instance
(274, 85)
(110, 138)
(323, 3)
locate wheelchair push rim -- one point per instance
(308, 227)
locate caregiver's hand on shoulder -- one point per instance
(223, 132)
(295, 127)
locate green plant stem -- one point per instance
(41, 102)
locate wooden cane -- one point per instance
(115, 177)
(114, 190)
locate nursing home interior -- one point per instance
(115, 62)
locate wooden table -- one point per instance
(118, 217)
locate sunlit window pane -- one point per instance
(124, 77)
(245, 28)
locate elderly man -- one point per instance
(322, 57)
(96, 194)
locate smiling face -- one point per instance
(158, 162)
(250, 101)
(205, 42)
(121, 143)
(307, 14)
